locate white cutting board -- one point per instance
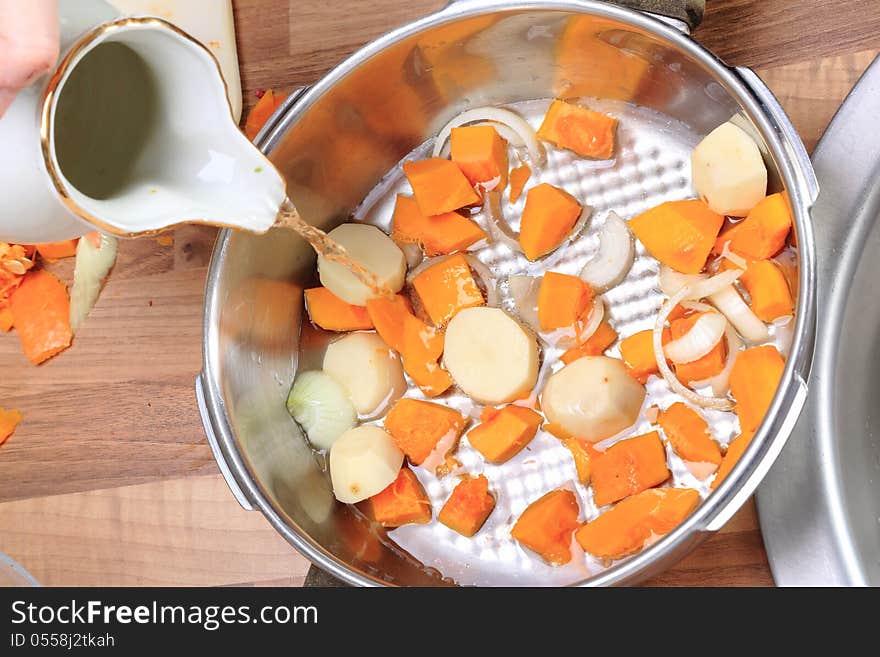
(209, 21)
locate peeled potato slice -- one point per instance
(363, 462)
(728, 171)
(369, 371)
(371, 249)
(592, 398)
(490, 356)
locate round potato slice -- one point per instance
(371, 249)
(593, 398)
(490, 356)
(369, 371)
(363, 462)
(728, 171)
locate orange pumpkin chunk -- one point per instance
(762, 233)
(625, 528)
(704, 367)
(419, 345)
(518, 179)
(562, 300)
(57, 250)
(503, 433)
(447, 287)
(580, 452)
(637, 352)
(265, 108)
(546, 526)
(688, 433)
(604, 337)
(402, 502)
(418, 427)
(468, 507)
(8, 422)
(735, 450)
(333, 314)
(679, 234)
(579, 129)
(439, 186)
(770, 297)
(548, 217)
(438, 235)
(41, 314)
(480, 153)
(753, 381)
(628, 467)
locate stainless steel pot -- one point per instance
(334, 142)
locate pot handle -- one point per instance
(208, 424)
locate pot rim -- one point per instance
(733, 492)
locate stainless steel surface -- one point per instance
(342, 136)
(820, 504)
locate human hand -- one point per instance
(28, 44)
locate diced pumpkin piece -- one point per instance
(419, 427)
(688, 433)
(403, 502)
(580, 452)
(596, 344)
(546, 526)
(549, 215)
(57, 250)
(446, 287)
(562, 300)
(735, 450)
(762, 233)
(481, 154)
(637, 352)
(503, 433)
(704, 367)
(419, 345)
(770, 297)
(439, 235)
(628, 467)
(8, 422)
(332, 313)
(627, 527)
(41, 314)
(265, 108)
(753, 381)
(579, 129)
(439, 186)
(679, 234)
(518, 179)
(468, 507)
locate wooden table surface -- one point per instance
(109, 479)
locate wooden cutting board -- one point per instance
(109, 480)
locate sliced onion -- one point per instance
(570, 336)
(720, 383)
(523, 292)
(697, 306)
(499, 115)
(487, 185)
(784, 334)
(413, 254)
(615, 257)
(737, 260)
(499, 229)
(718, 403)
(322, 407)
(91, 268)
(702, 337)
(731, 304)
(706, 288)
(485, 277)
(672, 281)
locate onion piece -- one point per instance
(720, 383)
(523, 292)
(499, 115)
(413, 254)
(322, 407)
(615, 257)
(702, 337)
(697, 306)
(718, 403)
(672, 281)
(706, 288)
(731, 304)
(92, 266)
(737, 260)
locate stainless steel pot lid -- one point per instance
(820, 505)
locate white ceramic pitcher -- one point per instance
(131, 134)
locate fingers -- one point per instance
(28, 43)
